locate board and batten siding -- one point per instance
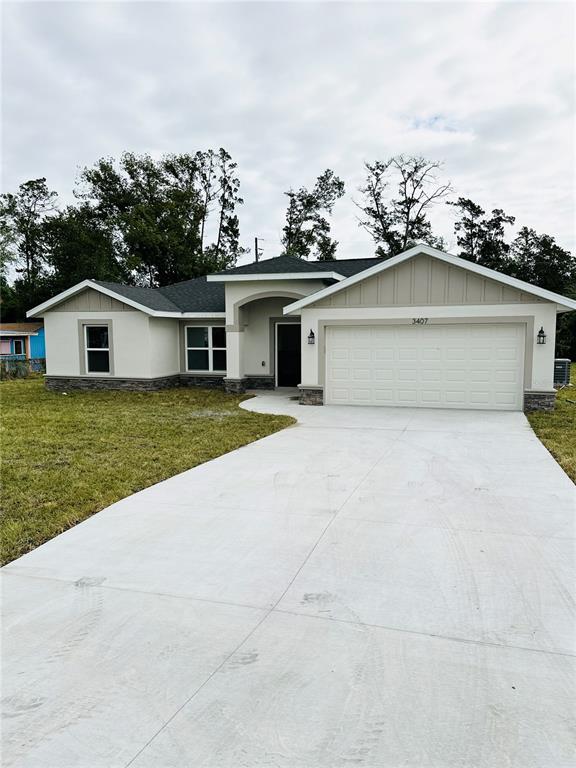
(424, 281)
(93, 301)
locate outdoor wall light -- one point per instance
(541, 336)
(311, 337)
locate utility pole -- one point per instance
(257, 250)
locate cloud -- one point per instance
(292, 88)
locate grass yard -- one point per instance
(65, 457)
(557, 429)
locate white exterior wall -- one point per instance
(130, 340)
(257, 342)
(164, 347)
(247, 290)
(247, 337)
(539, 359)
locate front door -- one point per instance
(288, 360)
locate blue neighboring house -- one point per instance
(22, 341)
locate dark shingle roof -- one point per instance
(272, 267)
(148, 297)
(198, 295)
(345, 267)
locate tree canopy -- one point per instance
(307, 229)
(397, 197)
(137, 220)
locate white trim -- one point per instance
(449, 258)
(210, 349)
(202, 315)
(96, 349)
(275, 276)
(18, 333)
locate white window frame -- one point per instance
(210, 349)
(97, 349)
(22, 346)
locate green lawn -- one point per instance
(557, 429)
(65, 457)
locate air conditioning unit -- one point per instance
(561, 372)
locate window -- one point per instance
(97, 348)
(206, 348)
(18, 347)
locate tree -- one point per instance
(226, 249)
(21, 222)
(306, 228)
(23, 247)
(493, 252)
(481, 239)
(158, 212)
(469, 228)
(540, 260)
(396, 221)
(79, 246)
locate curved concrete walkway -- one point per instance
(372, 587)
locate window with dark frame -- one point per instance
(206, 348)
(97, 344)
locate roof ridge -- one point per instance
(179, 282)
(338, 261)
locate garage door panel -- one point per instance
(480, 377)
(360, 395)
(505, 398)
(383, 374)
(451, 366)
(431, 375)
(383, 396)
(455, 396)
(340, 374)
(432, 354)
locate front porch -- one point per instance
(263, 347)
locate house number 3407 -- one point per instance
(419, 321)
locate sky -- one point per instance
(292, 88)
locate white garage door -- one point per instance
(430, 366)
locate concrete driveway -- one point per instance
(373, 587)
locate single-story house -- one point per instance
(422, 329)
(22, 341)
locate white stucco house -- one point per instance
(422, 329)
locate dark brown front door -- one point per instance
(288, 359)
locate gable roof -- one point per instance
(278, 265)
(190, 297)
(449, 258)
(151, 298)
(291, 266)
(203, 296)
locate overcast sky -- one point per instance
(290, 89)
